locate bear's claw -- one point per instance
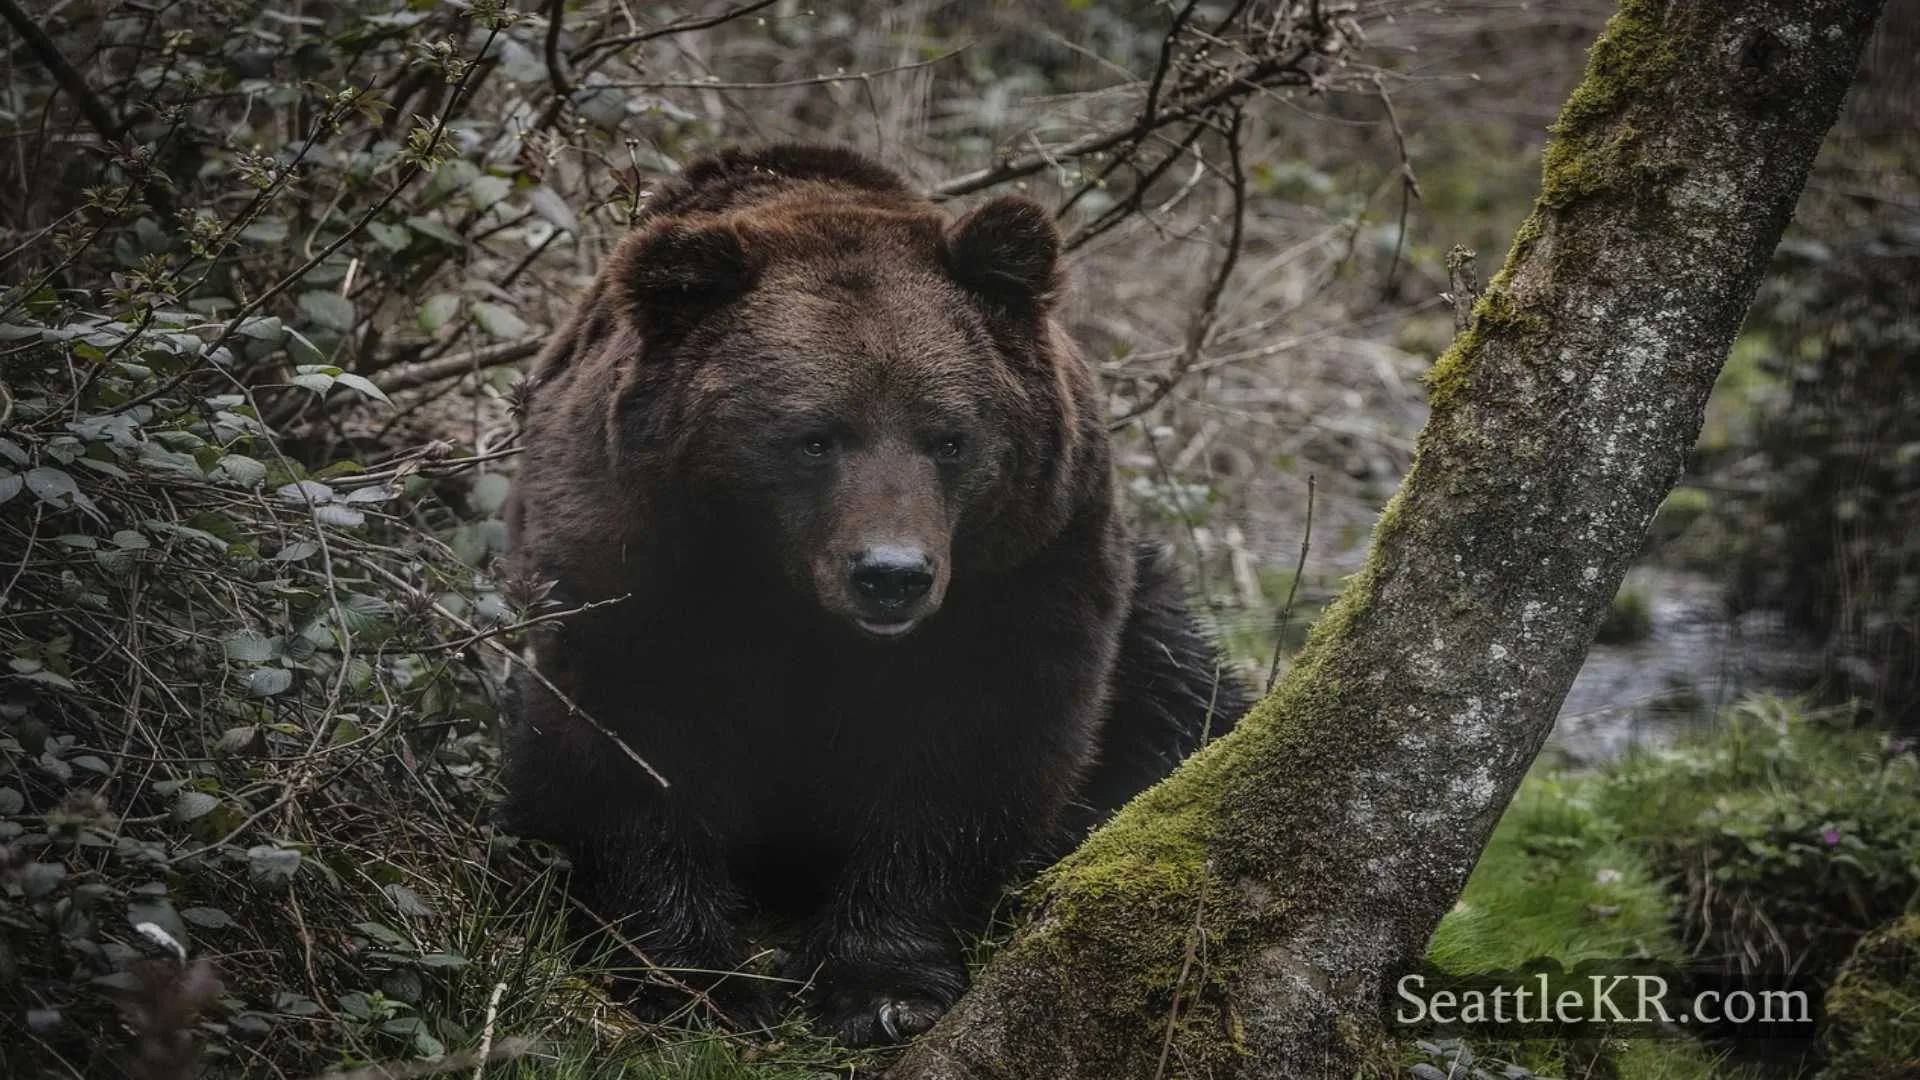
(888, 1020)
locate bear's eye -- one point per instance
(816, 446)
(949, 449)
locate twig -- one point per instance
(573, 707)
(678, 26)
(1463, 285)
(486, 1033)
(557, 64)
(817, 80)
(1194, 936)
(1285, 617)
(70, 80)
(506, 629)
(1136, 195)
(420, 463)
(1409, 183)
(448, 367)
(1203, 320)
(1269, 72)
(96, 114)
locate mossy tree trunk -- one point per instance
(1248, 916)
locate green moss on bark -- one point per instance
(1593, 152)
(1122, 911)
(1873, 1008)
(1497, 314)
(1590, 153)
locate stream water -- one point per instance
(1696, 659)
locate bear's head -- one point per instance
(854, 398)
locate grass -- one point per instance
(1558, 881)
(1561, 880)
(1584, 865)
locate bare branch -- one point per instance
(1209, 312)
(70, 80)
(452, 367)
(1285, 617)
(1463, 283)
(782, 84)
(678, 26)
(1265, 73)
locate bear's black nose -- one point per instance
(887, 579)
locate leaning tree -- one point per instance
(1247, 916)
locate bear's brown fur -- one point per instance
(878, 621)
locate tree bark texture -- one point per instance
(1248, 916)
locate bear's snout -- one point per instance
(889, 584)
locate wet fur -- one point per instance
(869, 799)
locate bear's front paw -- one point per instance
(740, 1001)
(866, 1020)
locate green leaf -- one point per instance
(305, 491)
(313, 381)
(158, 911)
(391, 237)
(249, 647)
(265, 231)
(362, 384)
(194, 804)
(408, 902)
(114, 561)
(487, 190)
(340, 517)
(548, 204)
(263, 328)
(328, 309)
(40, 878)
(364, 613)
(426, 226)
(52, 485)
(237, 740)
(242, 470)
(210, 918)
(438, 311)
(297, 551)
(269, 865)
(499, 321)
(489, 493)
(268, 681)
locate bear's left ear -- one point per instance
(1007, 250)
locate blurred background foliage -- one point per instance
(268, 274)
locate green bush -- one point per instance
(253, 639)
(1791, 832)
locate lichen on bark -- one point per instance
(1246, 916)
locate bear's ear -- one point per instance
(676, 270)
(1008, 250)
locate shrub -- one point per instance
(1792, 833)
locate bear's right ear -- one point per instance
(675, 271)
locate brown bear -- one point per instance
(839, 491)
